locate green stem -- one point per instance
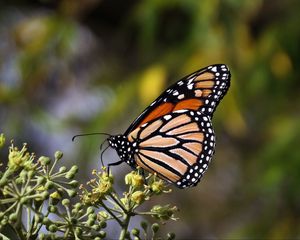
(111, 213)
(18, 225)
(124, 226)
(20, 233)
(118, 202)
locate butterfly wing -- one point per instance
(177, 146)
(201, 90)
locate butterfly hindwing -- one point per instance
(177, 146)
(201, 90)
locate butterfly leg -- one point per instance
(101, 156)
(113, 164)
(144, 176)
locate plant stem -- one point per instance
(124, 226)
(111, 213)
(118, 202)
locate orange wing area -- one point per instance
(205, 76)
(191, 104)
(161, 110)
(165, 108)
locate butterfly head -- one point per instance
(123, 147)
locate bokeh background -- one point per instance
(69, 67)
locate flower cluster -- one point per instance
(37, 193)
(100, 193)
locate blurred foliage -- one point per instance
(90, 65)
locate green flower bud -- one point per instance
(20, 180)
(44, 195)
(102, 234)
(6, 191)
(71, 192)
(155, 227)
(65, 202)
(30, 174)
(102, 224)
(55, 197)
(92, 216)
(138, 197)
(74, 183)
(4, 221)
(171, 236)
(96, 227)
(128, 178)
(144, 226)
(13, 217)
(62, 169)
(38, 218)
(52, 228)
(78, 206)
(70, 175)
(46, 221)
(52, 209)
(23, 175)
(74, 211)
(42, 236)
(90, 210)
(49, 185)
(58, 155)
(2, 140)
(81, 212)
(90, 222)
(135, 232)
(163, 212)
(44, 161)
(102, 215)
(74, 169)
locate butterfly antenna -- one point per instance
(89, 134)
(102, 144)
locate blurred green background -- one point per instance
(69, 67)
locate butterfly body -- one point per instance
(174, 137)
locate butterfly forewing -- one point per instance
(201, 90)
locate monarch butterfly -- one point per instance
(173, 137)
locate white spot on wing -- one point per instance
(175, 93)
(181, 111)
(190, 86)
(214, 69)
(167, 117)
(181, 96)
